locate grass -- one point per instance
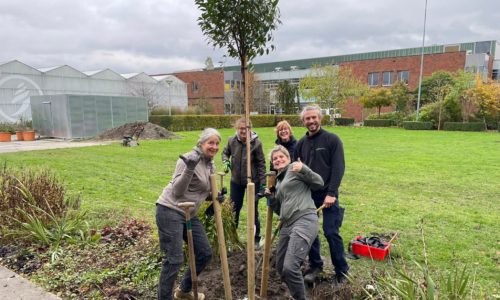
(394, 179)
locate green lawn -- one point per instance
(394, 179)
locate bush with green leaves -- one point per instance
(397, 117)
(460, 126)
(344, 121)
(413, 125)
(230, 231)
(378, 123)
(33, 208)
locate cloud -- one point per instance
(163, 36)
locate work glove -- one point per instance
(226, 165)
(221, 195)
(262, 191)
(192, 160)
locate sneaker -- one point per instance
(311, 274)
(180, 295)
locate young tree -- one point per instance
(286, 97)
(401, 96)
(330, 85)
(378, 97)
(245, 28)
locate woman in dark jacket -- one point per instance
(285, 138)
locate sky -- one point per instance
(162, 36)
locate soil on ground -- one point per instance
(211, 281)
(137, 130)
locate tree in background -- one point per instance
(330, 85)
(433, 83)
(462, 82)
(487, 99)
(378, 97)
(286, 97)
(401, 96)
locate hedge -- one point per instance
(412, 125)
(199, 122)
(343, 121)
(378, 123)
(459, 126)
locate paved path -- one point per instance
(16, 146)
(15, 287)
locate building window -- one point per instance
(404, 76)
(194, 86)
(387, 78)
(373, 79)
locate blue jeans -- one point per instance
(172, 232)
(332, 221)
(237, 195)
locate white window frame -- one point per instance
(389, 81)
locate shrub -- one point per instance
(196, 122)
(459, 126)
(7, 127)
(33, 208)
(413, 125)
(378, 123)
(397, 117)
(343, 121)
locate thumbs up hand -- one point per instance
(297, 166)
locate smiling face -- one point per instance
(280, 160)
(242, 131)
(284, 134)
(312, 121)
(211, 146)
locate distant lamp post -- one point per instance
(421, 63)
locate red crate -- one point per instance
(365, 250)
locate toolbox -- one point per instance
(376, 253)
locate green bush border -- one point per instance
(199, 122)
(415, 125)
(343, 121)
(459, 126)
(378, 123)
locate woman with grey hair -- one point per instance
(190, 183)
(292, 200)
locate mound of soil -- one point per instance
(140, 130)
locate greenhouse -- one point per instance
(18, 82)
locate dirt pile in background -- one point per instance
(142, 130)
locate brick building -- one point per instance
(205, 88)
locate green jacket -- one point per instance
(236, 152)
(292, 198)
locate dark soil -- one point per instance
(137, 130)
(212, 285)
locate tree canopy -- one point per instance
(244, 27)
(378, 98)
(330, 85)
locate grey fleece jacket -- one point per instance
(292, 198)
(188, 185)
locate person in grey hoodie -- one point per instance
(190, 183)
(234, 158)
(292, 200)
